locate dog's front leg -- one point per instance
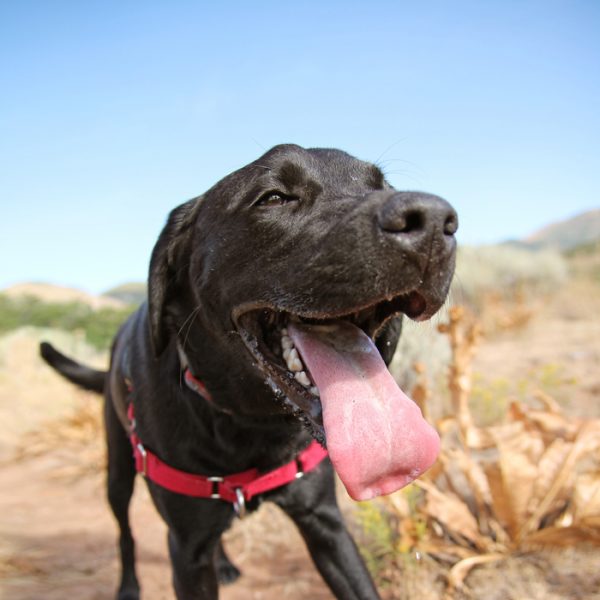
(312, 505)
(195, 529)
(194, 572)
(335, 554)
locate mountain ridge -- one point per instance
(583, 228)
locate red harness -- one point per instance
(237, 488)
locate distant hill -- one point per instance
(50, 293)
(129, 293)
(566, 235)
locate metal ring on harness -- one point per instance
(144, 456)
(240, 503)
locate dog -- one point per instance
(275, 303)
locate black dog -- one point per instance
(274, 303)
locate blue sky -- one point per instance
(112, 113)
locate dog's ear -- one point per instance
(167, 265)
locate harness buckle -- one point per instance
(215, 487)
(142, 452)
(240, 503)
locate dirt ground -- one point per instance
(57, 537)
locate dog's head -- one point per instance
(306, 255)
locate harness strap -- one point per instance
(238, 488)
(196, 385)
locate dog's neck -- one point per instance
(195, 384)
(195, 381)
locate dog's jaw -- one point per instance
(296, 354)
(263, 330)
(264, 334)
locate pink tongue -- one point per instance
(377, 438)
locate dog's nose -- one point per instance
(414, 216)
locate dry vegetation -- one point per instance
(528, 482)
(532, 480)
(79, 436)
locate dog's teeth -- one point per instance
(296, 365)
(314, 390)
(302, 378)
(293, 360)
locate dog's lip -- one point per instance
(302, 403)
(411, 302)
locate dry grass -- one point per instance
(31, 393)
(79, 436)
(43, 413)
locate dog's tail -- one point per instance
(85, 377)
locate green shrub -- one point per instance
(99, 326)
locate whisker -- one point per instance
(190, 320)
(393, 145)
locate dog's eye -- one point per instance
(274, 199)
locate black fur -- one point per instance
(312, 233)
(84, 377)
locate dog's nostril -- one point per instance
(413, 216)
(413, 220)
(397, 219)
(451, 224)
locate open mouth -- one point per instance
(266, 333)
(327, 370)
